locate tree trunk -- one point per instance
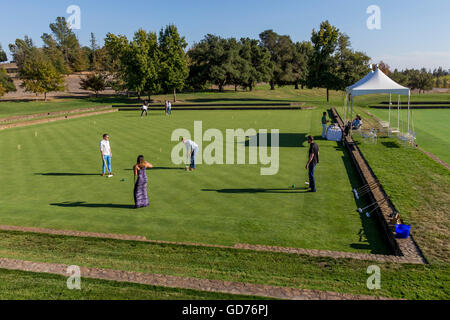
(235, 88)
(96, 94)
(250, 87)
(296, 86)
(45, 96)
(174, 95)
(272, 85)
(221, 87)
(328, 95)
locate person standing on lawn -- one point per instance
(324, 125)
(140, 182)
(105, 151)
(313, 160)
(144, 109)
(191, 151)
(169, 107)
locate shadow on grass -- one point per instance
(209, 100)
(67, 174)
(390, 144)
(286, 140)
(370, 235)
(258, 190)
(159, 168)
(76, 204)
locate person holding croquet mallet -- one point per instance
(313, 160)
(191, 151)
(105, 151)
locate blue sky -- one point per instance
(414, 33)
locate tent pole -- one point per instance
(398, 113)
(409, 101)
(351, 117)
(345, 106)
(390, 105)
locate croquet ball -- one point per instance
(123, 180)
(293, 186)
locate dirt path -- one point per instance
(228, 287)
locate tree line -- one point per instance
(152, 63)
(419, 79)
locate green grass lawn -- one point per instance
(52, 176)
(432, 128)
(19, 285)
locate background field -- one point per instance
(53, 181)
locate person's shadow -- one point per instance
(259, 190)
(74, 204)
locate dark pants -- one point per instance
(144, 111)
(312, 181)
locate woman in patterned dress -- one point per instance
(140, 185)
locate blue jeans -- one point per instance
(324, 130)
(193, 155)
(108, 162)
(312, 181)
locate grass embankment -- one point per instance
(18, 285)
(278, 269)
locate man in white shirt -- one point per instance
(169, 107)
(191, 150)
(105, 151)
(144, 109)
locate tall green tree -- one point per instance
(38, 74)
(20, 49)
(257, 66)
(302, 54)
(6, 83)
(210, 61)
(3, 56)
(350, 66)
(65, 40)
(282, 51)
(322, 65)
(174, 64)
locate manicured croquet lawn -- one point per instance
(51, 178)
(431, 126)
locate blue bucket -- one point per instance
(402, 231)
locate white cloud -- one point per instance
(416, 60)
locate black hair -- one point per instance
(105, 135)
(140, 159)
(310, 138)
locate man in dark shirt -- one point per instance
(324, 125)
(313, 160)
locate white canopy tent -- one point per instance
(377, 82)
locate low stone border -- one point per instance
(238, 246)
(219, 286)
(46, 120)
(51, 114)
(401, 247)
